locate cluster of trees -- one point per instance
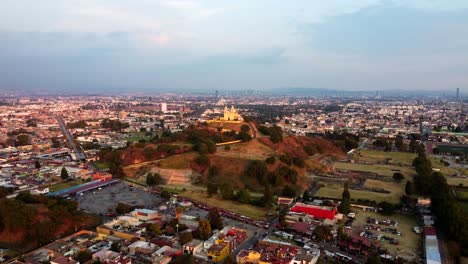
(258, 170)
(387, 145)
(123, 208)
(55, 142)
(32, 122)
(227, 191)
(77, 124)
(332, 108)
(22, 140)
(450, 216)
(345, 140)
(275, 133)
(19, 215)
(153, 179)
(114, 125)
(244, 134)
(113, 158)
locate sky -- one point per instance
(194, 45)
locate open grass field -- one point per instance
(384, 170)
(244, 209)
(409, 241)
(179, 162)
(462, 195)
(396, 157)
(455, 181)
(446, 171)
(464, 206)
(102, 165)
(63, 185)
(334, 191)
(396, 188)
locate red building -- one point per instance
(103, 176)
(316, 211)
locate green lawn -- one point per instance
(446, 171)
(409, 241)
(334, 191)
(449, 173)
(384, 170)
(64, 185)
(462, 195)
(396, 157)
(243, 209)
(102, 165)
(396, 188)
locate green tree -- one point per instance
(228, 260)
(4, 192)
(306, 196)
(185, 237)
(268, 197)
(216, 221)
(153, 179)
(37, 164)
(322, 232)
(64, 173)
(398, 177)
(155, 229)
(183, 259)
(22, 140)
(257, 169)
(373, 260)
(84, 256)
(115, 246)
(345, 200)
(123, 208)
(44, 232)
(165, 194)
(227, 191)
(244, 136)
(244, 196)
(409, 188)
(211, 188)
(204, 229)
(270, 160)
(288, 191)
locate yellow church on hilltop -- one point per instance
(231, 114)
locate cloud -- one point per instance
(181, 4)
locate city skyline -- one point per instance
(193, 45)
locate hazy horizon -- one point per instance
(190, 45)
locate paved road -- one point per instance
(70, 141)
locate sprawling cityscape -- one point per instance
(249, 132)
(213, 178)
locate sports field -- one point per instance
(64, 185)
(243, 209)
(383, 170)
(334, 191)
(404, 158)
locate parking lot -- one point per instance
(105, 199)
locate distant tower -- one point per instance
(458, 94)
(164, 107)
(216, 95)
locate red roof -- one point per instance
(315, 211)
(430, 231)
